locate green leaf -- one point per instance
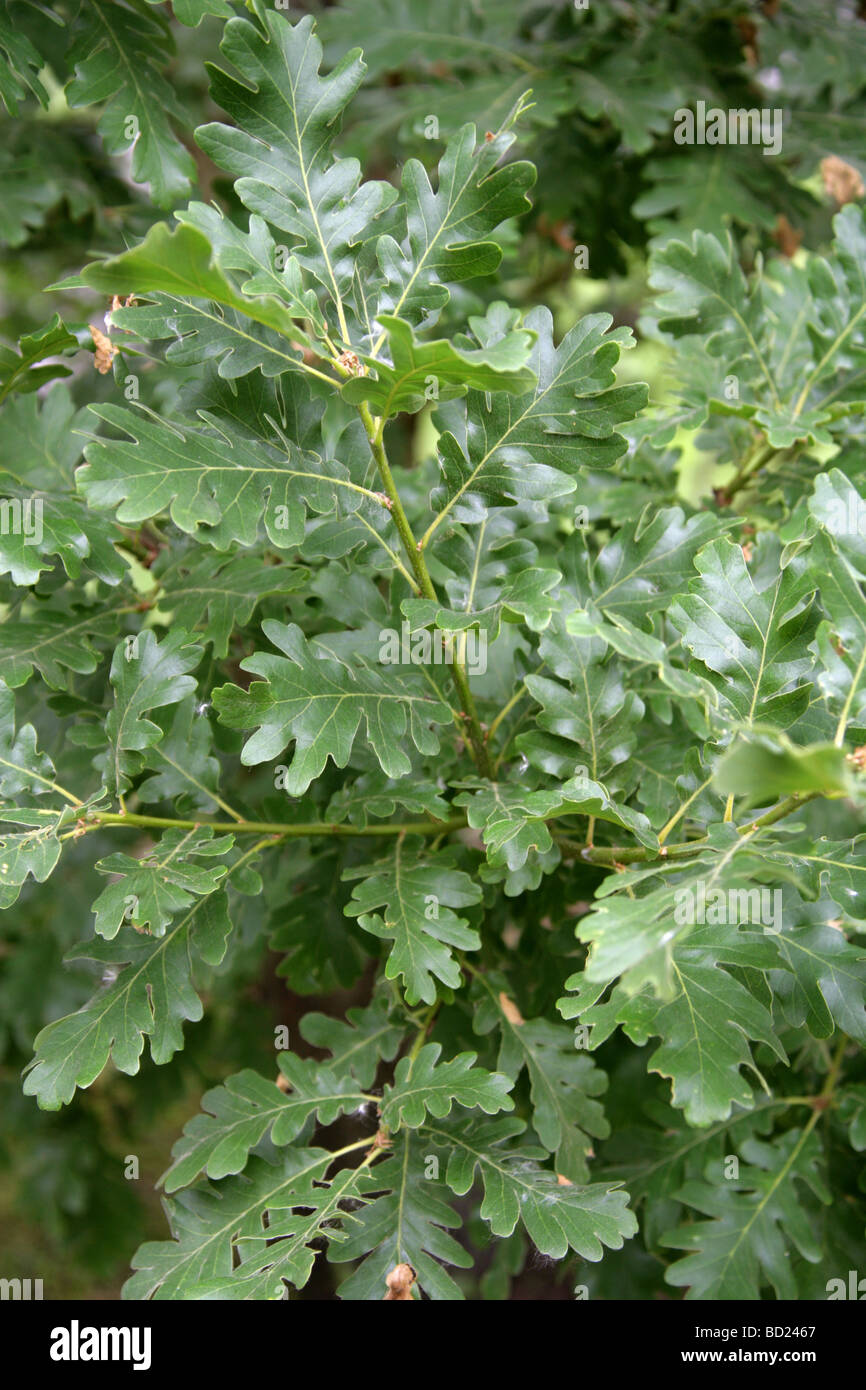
(320, 703)
(192, 12)
(654, 1156)
(532, 447)
(792, 341)
(150, 998)
(408, 1224)
(703, 289)
(511, 821)
(705, 191)
(28, 369)
(839, 556)
(271, 271)
(222, 599)
(20, 68)
(520, 595)
(184, 770)
(280, 148)
(290, 1199)
(558, 1217)
(768, 766)
(838, 328)
(26, 853)
(357, 1043)
(637, 101)
(705, 1017)
(634, 938)
(146, 675)
(239, 1113)
(826, 988)
(150, 891)
(564, 1082)
(439, 370)
(591, 726)
(415, 891)
(649, 561)
(181, 263)
(423, 1084)
(513, 824)
(749, 633)
(852, 1110)
(374, 796)
(117, 56)
(411, 32)
(22, 767)
(754, 1218)
(818, 865)
(449, 232)
(204, 332)
(55, 638)
(40, 516)
(216, 488)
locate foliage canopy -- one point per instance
(367, 628)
